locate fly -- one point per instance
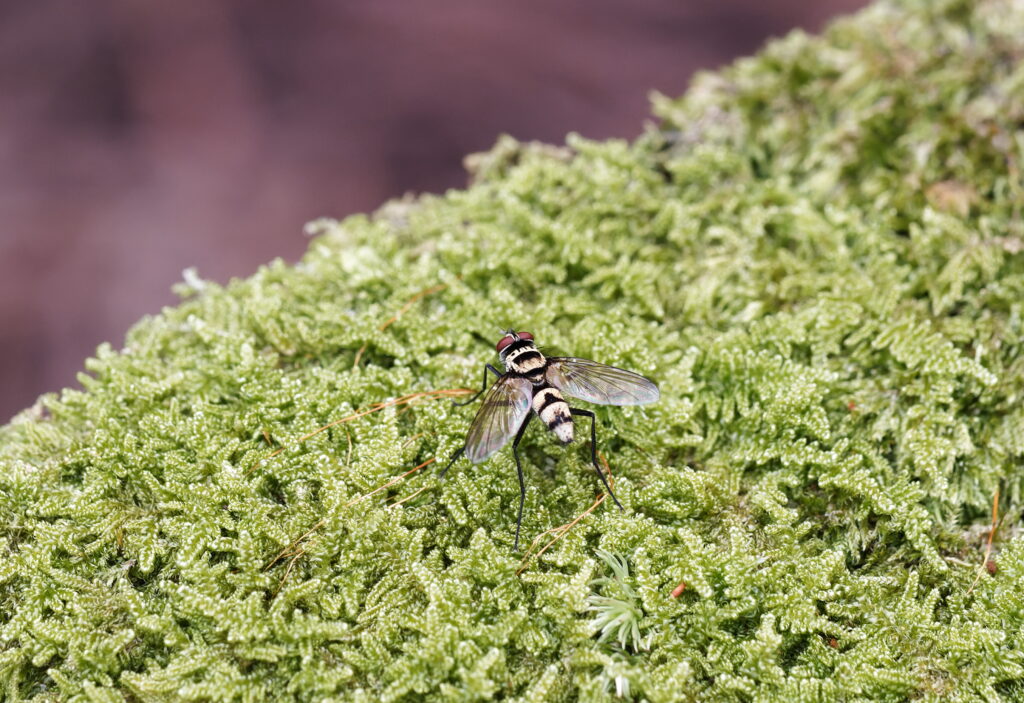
(534, 382)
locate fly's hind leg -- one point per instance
(593, 449)
(519, 470)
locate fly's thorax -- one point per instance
(524, 359)
(550, 406)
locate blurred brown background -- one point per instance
(140, 138)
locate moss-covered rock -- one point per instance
(818, 254)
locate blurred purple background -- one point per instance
(141, 138)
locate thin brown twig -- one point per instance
(412, 301)
(410, 497)
(402, 410)
(405, 399)
(287, 550)
(392, 482)
(401, 311)
(412, 439)
(561, 528)
(287, 571)
(560, 531)
(549, 531)
(359, 355)
(988, 542)
(296, 549)
(348, 452)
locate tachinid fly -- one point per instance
(534, 382)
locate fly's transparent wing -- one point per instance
(504, 408)
(598, 383)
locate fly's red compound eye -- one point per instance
(526, 335)
(504, 342)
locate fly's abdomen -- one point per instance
(554, 412)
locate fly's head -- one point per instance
(511, 337)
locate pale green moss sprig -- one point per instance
(619, 614)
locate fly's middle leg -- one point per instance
(519, 470)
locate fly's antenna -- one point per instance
(483, 339)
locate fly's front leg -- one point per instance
(487, 367)
(519, 470)
(462, 450)
(593, 449)
(458, 452)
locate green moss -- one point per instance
(818, 254)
